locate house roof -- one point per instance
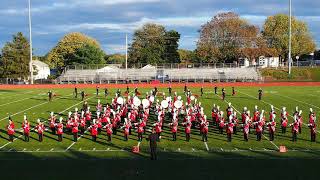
(39, 63)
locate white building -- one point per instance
(265, 62)
(42, 69)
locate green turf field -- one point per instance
(34, 103)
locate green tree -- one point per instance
(171, 47)
(115, 59)
(88, 54)
(15, 58)
(63, 52)
(187, 56)
(152, 44)
(275, 31)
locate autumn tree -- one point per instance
(152, 44)
(188, 56)
(275, 31)
(63, 52)
(115, 59)
(15, 58)
(88, 54)
(222, 38)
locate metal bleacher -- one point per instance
(112, 74)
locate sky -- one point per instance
(110, 20)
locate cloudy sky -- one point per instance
(109, 20)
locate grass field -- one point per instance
(34, 103)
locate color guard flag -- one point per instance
(135, 149)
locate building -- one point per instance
(266, 62)
(42, 70)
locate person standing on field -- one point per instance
(153, 138)
(260, 94)
(75, 92)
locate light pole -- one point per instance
(289, 55)
(30, 39)
(297, 57)
(126, 56)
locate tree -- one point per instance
(63, 52)
(171, 47)
(187, 56)
(115, 59)
(222, 38)
(275, 31)
(152, 44)
(15, 58)
(88, 54)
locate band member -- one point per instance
(300, 121)
(108, 128)
(259, 126)
(284, 120)
(50, 95)
(205, 130)
(295, 128)
(75, 92)
(174, 129)
(82, 95)
(40, 129)
(246, 128)
(97, 90)
(170, 90)
(312, 125)
(215, 89)
(140, 130)
(223, 93)
(233, 91)
(244, 115)
(75, 130)
(59, 128)
(221, 122)
(230, 127)
(260, 94)
(158, 127)
(126, 128)
(106, 92)
(94, 130)
(52, 122)
(187, 125)
(201, 91)
(88, 117)
(26, 129)
(82, 123)
(272, 127)
(256, 114)
(153, 138)
(235, 121)
(10, 129)
(229, 110)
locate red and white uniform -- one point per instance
(75, 127)
(10, 129)
(59, 127)
(94, 130)
(52, 120)
(40, 128)
(295, 127)
(141, 127)
(230, 126)
(174, 126)
(158, 127)
(272, 126)
(188, 127)
(284, 119)
(26, 127)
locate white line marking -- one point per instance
(298, 101)
(270, 105)
(29, 108)
(205, 143)
(262, 134)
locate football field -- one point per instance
(34, 103)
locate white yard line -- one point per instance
(19, 100)
(262, 134)
(32, 128)
(206, 144)
(3, 98)
(29, 108)
(298, 101)
(270, 105)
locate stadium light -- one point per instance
(289, 55)
(30, 39)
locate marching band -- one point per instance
(130, 113)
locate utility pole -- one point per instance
(30, 39)
(127, 56)
(289, 55)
